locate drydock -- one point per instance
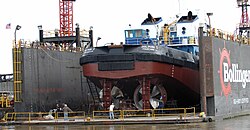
(186, 67)
(224, 90)
(224, 74)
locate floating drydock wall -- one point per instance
(6, 86)
(228, 93)
(51, 77)
(6, 82)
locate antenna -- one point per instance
(179, 6)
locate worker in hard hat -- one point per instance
(202, 114)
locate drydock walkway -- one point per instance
(150, 116)
(91, 121)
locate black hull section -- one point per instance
(126, 61)
(122, 58)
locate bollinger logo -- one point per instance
(230, 73)
(224, 56)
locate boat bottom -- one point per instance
(146, 92)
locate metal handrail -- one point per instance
(38, 116)
(123, 114)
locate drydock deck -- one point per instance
(149, 116)
(137, 120)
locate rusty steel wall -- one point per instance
(206, 73)
(51, 77)
(231, 77)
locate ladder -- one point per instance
(17, 63)
(94, 93)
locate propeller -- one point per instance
(116, 93)
(157, 94)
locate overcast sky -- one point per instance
(109, 18)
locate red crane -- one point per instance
(66, 17)
(244, 22)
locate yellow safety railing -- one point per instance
(125, 114)
(9, 116)
(105, 114)
(41, 116)
(228, 36)
(4, 101)
(180, 112)
(48, 46)
(71, 115)
(138, 113)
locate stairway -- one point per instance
(94, 94)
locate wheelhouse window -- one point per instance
(138, 33)
(129, 34)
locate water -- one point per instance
(239, 123)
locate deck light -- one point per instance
(40, 27)
(97, 40)
(18, 27)
(208, 15)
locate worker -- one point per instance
(111, 111)
(166, 33)
(58, 111)
(202, 114)
(58, 108)
(66, 109)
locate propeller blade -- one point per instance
(140, 103)
(155, 91)
(140, 90)
(154, 102)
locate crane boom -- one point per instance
(244, 23)
(66, 17)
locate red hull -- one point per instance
(189, 77)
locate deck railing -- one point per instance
(153, 113)
(41, 116)
(148, 114)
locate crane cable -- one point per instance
(58, 60)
